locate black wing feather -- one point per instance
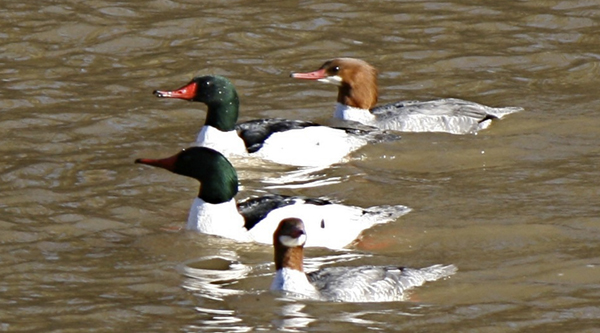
(255, 209)
(255, 132)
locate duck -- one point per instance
(215, 211)
(341, 284)
(357, 98)
(289, 142)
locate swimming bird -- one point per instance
(357, 96)
(289, 142)
(341, 284)
(215, 211)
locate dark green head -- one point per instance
(217, 177)
(217, 92)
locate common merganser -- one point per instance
(357, 96)
(215, 212)
(341, 284)
(290, 142)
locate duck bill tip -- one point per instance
(186, 92)
(161, 93)
(164, 163)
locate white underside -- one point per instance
(227, 143)
(333, 226)
(310, 147)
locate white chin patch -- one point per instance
(292, 242)
(336, 80)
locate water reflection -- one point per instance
(225, 286)
(213, 276)
(302, 178)
(217, 276)
(276, 176)
(221, 321)
(292, 318)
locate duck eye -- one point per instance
(335, 69)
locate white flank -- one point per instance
(333, 226)
(227, 143)
(311, 146)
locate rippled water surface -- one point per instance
(91, 241)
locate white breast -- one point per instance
(353, 114)
(218, 219)
(294, 281)
(227, 143)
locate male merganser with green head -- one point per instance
(357, 95)
(290, 142)
(341, 284)
(216, 212)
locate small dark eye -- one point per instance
(335, 69)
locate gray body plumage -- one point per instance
(373, 283)
(449, 115)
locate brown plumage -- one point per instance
(290, 257)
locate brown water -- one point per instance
(87, 238)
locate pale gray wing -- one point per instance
(443, 107)
(373, 283)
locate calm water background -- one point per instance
(89, 241)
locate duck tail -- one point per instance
(384, 214)
(501, 112)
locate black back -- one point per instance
(255, 209)
(255, 132)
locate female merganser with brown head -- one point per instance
(342, 284)
(215, 211)
(290, 142)
(357, 96)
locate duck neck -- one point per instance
(223, 114)
(289, 257)
(363, 96)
